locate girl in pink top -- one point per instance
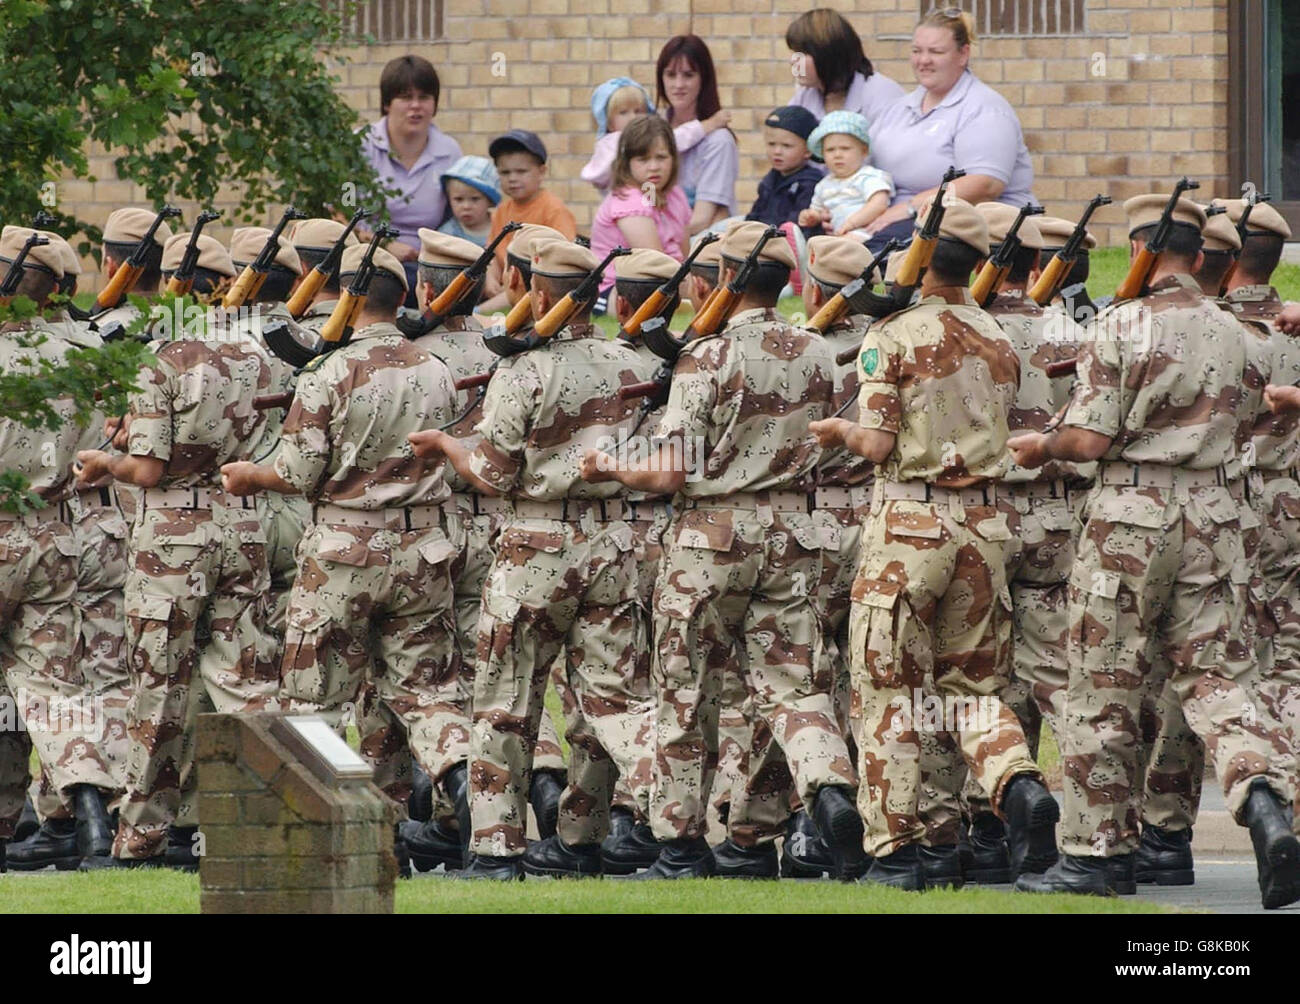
(645, 208)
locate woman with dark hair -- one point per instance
(832, 70)
(410, 153)
(686, 88)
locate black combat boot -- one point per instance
(630, 845)
(1087, 876)
(456, 785)
(557, 859)
(420, 805)
(840, 827)
(730, 860)
(430, 844)
(401, 853)
(1277, 851)
(804, 853)
(53, 843)
(544, 796)
(1123, 874)
(990, 860)
(28, 822)
(486, 867)
(180, 849)
(901, 870)
(1031, 813)
(942, 866)
(94, 835)
(1165, 857)
(686, 857)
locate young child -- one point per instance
(617, 102)
(853, 193)
(520, 159)
(787, 189)
(472, 189)
(645, 208)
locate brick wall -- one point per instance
(1137, 100)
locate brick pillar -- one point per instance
(279, 833)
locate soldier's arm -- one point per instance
(879, 406)
(95, 465)
(874, 444)
(432, 442)
(1282, 398)
(1288, 321)
(246, 478)
(661, 473)
(1033, 449)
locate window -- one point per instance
(396, 20)
(1021, 17)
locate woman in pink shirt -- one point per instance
(645, 208)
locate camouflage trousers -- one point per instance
(50, 698)
(1158, 594)
(1278, 507)
(931, 640)
(374, 605)
(737, 595)
(101, 533)
(557, 588)
(761, 795)
(196, 641)
(287, 517)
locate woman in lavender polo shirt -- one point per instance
(953, 118)
(410, 153)
(687, 88)
(831, 69)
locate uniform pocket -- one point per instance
(875, 631)
(1222, 509)
(710, 529)
(517, 543)
(1094, 618)
(923, 525)
(1136, 510)
(341, 549)
(992, 528)
(438, 549)
(150, 621)
(1055, 518)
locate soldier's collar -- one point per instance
(458, 322)
(949, 294)
(574, 331)
(754, 314)
(380, 330)
(1262, 293)
(321, 308)
(1174, 281)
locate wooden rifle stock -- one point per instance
(629, 391)
(305, 293)
(269, 401)
(1062, 367)
(988, 281)
(520, 314)
(344, 314)
(477, 380)
(129, 272)
(1049, 281)
(249, 283)
(558, 316)
(714, 313)
(650, 307)
(656, 302)
(916, 261)
(831, 311)
(1137, 276)
(847, 356)
(337, 329)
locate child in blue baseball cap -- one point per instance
(472, 189)
(617, 102)
(853, 193)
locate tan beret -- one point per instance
(444, 249)
(1000, 217)
(68, 257)
(562, 258)
(246, 244)
(1219, 234)
(529, 233)
(961, 222)
(710, 257)
(383, 261)
(1056, 231)
(645, 265)
(738, 244)
(319, 235)
(1143, 210)
(836, 260)
(44, 256)
(1263, 218)
(212, 254)
(128, 226)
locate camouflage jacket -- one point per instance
(248, 324)
(1162, 375)
(942, 376)
(317, 314)
(43, 456)
(741, 402)
(344, 439)
(544, 408)
(458, 342)
(841, 467)
(1276, 438)
(1039, 337)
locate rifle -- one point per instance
(838, 306)
(1252, 199)
(1054, 273)
(558, 316)
(995, 270)
(182, 280)
(128, 274)
(445, 302)
(655, 303)
(922, 247)
(250, 280)
(1145, 262)
(268, 401)
(1062, 367)
(320, 273)
(500, 338)
(338, 329)
(9, 285)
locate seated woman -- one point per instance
(831, 69)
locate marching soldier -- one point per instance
(936, 382)
(123, 230)
(213, 268)
(313, 239)
(1160, 568)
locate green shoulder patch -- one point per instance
(870, 360)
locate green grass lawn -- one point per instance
(173, 892)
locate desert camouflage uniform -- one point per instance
(44, 690)
(742, 562)
(373, 598)
(563, 581)
(317, 314)
(195, 634)
(458, 342)
(1158, 589)
(931, 619)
